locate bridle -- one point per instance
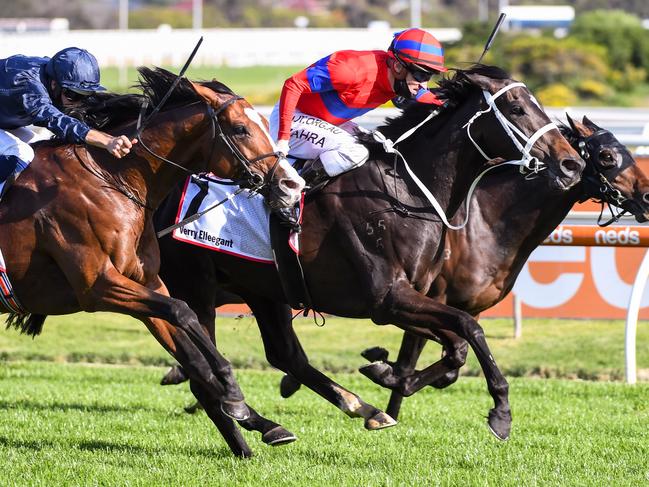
(531, 165)
(599, 181)
(246, 178)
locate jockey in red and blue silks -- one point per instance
(34, 91)
(313, 117)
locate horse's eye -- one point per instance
(607, 157)
(517, 110)
(240, 130)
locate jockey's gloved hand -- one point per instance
(282, 147)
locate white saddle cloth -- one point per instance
(238, 227)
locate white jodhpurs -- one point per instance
(312, 137)
(15, 142)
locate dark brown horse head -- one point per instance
(530, 134)
(203, 127)
(611, 173)
(245, 133)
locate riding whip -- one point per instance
(490, 41)
(142, 123)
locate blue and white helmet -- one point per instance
(75, 69)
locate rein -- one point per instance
(527, 162)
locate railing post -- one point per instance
(518, 317)
(632, 319)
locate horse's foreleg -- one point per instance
(225, 425)
(406, 308)
(181, 335)
(284, 351)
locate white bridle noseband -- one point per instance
(527, 163)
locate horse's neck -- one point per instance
(154, 177)
(519, 214)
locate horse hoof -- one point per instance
(243, 454)
(194, 408)
(380, 373)
(375, 354)
(237, 410)
(174, 376)
(500, 424)
(278, 436)
(288, 386)
(380, 421)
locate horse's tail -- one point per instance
(30, 324)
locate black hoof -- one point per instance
(243, 454)
(176, 375)
(375, 354)
(278, 436)
(500, 424)
(381, 374)
(194, 408)
(288, 386)
(237, 410)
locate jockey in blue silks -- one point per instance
(34, 91)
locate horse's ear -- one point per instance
(480, 81)
(590, 124)
(210, 96)
(577, 127)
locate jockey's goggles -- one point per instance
(73, 95)
(420, 75)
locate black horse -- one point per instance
(372, 244)
(485, 257)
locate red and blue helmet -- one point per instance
(75, 69)
(416, 48)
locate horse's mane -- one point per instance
(106, 110)
(454, 89)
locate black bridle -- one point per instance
(246, 178)
(597, 180)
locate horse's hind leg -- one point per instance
(272, 434)
(406, 308)
(284, 351)
(409, 352)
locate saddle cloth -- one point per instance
(7, 297)
(238, 227)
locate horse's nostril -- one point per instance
(570, 167)
(645, 197)
(291, 184)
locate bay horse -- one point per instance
(371, 243)
(485, 258)
(76, 228)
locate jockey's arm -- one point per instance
(118, 146)
(317, 78)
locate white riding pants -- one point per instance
(312, 137)
(15, 142)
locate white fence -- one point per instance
(233, 47)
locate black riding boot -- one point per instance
(314, 173)
(288, 217)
